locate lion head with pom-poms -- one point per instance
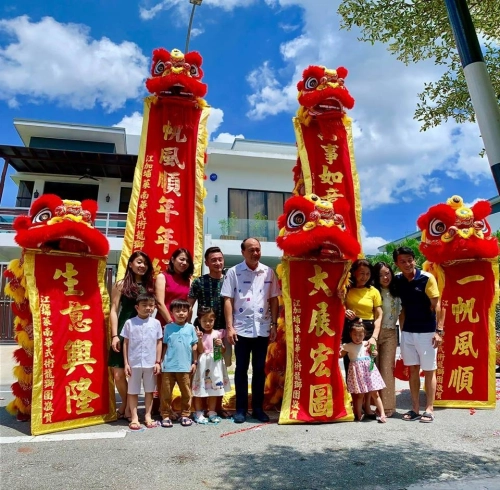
(453, 231)
(57, 224)
(322, 93)
(175, 74)
(312, 227)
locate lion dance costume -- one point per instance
(166, 206)
(319, 235)
(61, 308)
(463, 256)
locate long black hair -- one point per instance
(355, 266)
(189, 271)
(376, 278)
(129, 286)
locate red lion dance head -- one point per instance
(57, 224)
(452, 231)
(311, 227)
(174, 74)
(322, 92)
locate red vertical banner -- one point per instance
(314, 316)
(72, 385)
(328, 166)
(466, 358)
(166, 206)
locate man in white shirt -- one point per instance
(250, 291)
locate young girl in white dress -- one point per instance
(210, 379)
(363, 376)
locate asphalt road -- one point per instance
(457, 451)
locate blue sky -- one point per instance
(85, 62)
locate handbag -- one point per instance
(401, 371)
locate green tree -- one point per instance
(413, 243)
(416, 30)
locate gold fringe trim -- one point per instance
(128, 239)
(200, 191)
(24, 341)
(16, 267)
(22, 376)
(18, 295)
(355, 178)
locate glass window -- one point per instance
(24, 194)
(75, 192)
(246, 203)
(125, 193)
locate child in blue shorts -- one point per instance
(179, 361)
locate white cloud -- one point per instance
(61, 63)
(288, 27)
(183, 7)
(214, 120)
(396, 162)
(269, 97)
(227, 137)
(132, 124)
(196, 32)
(371, 243)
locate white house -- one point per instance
(244, 179)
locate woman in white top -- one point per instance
(388, 337)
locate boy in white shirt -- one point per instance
(142, 353)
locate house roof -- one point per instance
(65, 162)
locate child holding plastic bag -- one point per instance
(210, 379)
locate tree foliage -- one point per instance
(412, 243)
(416, 30)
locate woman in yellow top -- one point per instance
(363, 301)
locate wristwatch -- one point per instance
(195, 363)
(440, 331)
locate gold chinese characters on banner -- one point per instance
(72, 386)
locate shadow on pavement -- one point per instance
(380, 466)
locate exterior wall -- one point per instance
(242, 171)
(244, 164)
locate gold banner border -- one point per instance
(37, 425)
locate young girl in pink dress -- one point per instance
(210, 379)
(363, 376)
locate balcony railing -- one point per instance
(110, 224)
(113, 225)
(239, 229)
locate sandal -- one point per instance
(122, 416)
(200, 419)
(429, 416)
(214, 419)
(381, 419)
(411, 416)
(167, 423)
(186, 422)
(134, 426)
(150, 424)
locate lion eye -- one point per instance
(296, 219)
(311, 83)
(437, 227)
(194, 71)
(42, 216)
(159, 68)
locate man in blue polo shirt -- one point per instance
(420, 336)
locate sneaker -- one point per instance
(260, 415)
(239, 417)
